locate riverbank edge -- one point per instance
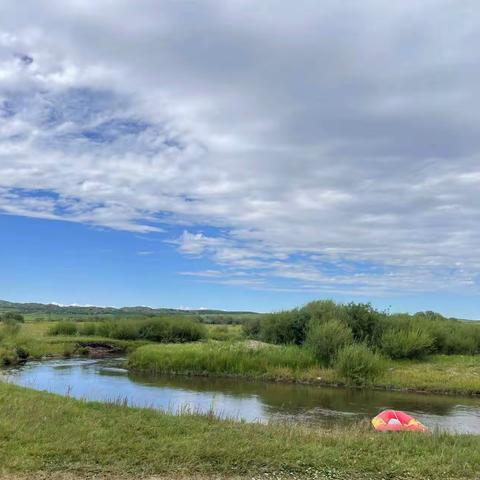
(407, 377)
(312, 382)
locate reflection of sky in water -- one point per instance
(103, 380)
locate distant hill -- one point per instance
(73, 310)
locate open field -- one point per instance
(46, 433)
(452, 374)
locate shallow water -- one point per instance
(106, 380)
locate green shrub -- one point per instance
(22, 352)
(12, 317)
(411, 343)
(252, 327)
(288, 327)
(364, 321)
(8, 356)
(325, 339)
(63, 328)
(359, 365)
(324, 310)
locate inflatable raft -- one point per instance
(396, 421)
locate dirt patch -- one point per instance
(99, 349)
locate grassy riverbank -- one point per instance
(31, 341)
(46, 433)
(453, 374)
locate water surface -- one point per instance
(106, 380)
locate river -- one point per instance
(106, 380)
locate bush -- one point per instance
(12, 317)
(8, 356)
(22, 352)
(359, 365)
(411, 343)
(453, 337)
(324, 310)
(364, 321)
(63, 328)
(285, 327)
(252, 327)
(325, 339)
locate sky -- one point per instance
(241, 154)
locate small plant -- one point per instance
(325, 339)
(83, 351)
(22, 353)
(63, 328)
(359, 365)
(8, 356)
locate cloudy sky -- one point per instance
(241, 154)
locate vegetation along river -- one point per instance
(106, 380)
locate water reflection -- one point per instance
(105, 380)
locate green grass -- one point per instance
(43, 434)
(34, 339)
(453, 374)
(438, 373)
(249, 359)
(225, 332)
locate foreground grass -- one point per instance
(41, 432)
(454, 374)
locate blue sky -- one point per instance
(69, 263)
(236, 155)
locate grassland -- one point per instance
(453, 374)
(45, 433)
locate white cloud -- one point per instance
(312, 136)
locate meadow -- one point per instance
(44, 435)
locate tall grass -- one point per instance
(167, 329)
(63, 328)
(411, 343)
(325, 339)
(219, 359)
(359, 365)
